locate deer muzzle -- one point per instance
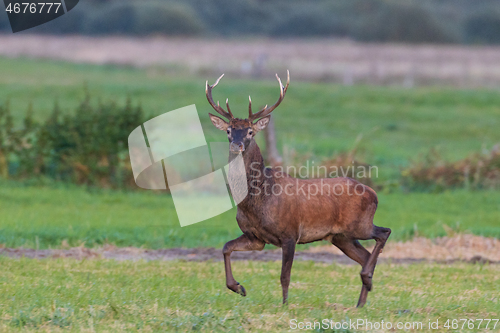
(236, 147)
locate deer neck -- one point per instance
(256, 173)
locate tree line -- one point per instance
(408, 21)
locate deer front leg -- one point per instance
(288, 249)
(242, 243)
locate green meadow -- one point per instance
(43, 217)
(104, 295)
(316, 120)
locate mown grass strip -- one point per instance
(182, 296)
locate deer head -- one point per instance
(240, 132)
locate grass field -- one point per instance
(320, 119)
(102, 295)
(317, 119)
(45, 216)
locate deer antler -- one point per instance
(218, 108)
(267, 110)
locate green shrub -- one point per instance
(88, 147)
(478, 171)
(7, 140)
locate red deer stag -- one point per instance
(285, 211)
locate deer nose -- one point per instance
(237, 147)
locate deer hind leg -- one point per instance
(354, 250)
(380, 235)
(242, 243)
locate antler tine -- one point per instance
(228, 109)
(267, 110)
(249, 107)
(217, 82)
(218, 108)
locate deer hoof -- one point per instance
(240, 290)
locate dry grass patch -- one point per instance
(319, 59)
(458, 247)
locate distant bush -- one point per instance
(172, 19)
(88, 147)
(342, 164)
(4, 21)
(307, 21)
(403, 22)
(7, 142)
(483, 28)
(479, 171)
(346, 164)
(233, 18)
(142, 18)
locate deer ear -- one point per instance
(219, 122)
(261, 123)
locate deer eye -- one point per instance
(250, 132)
(228, 131)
